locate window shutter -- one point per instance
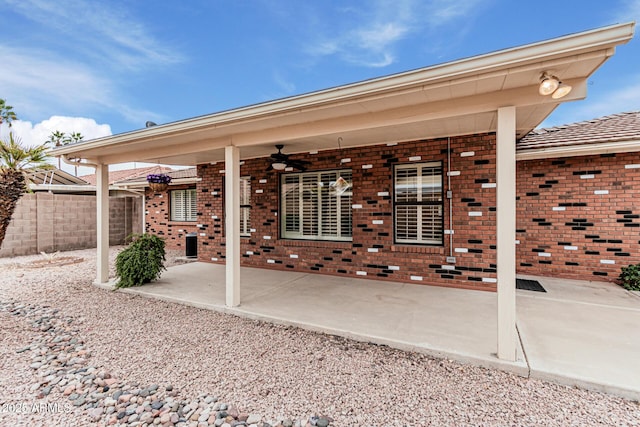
(309, 201)
(328, 206)
(310, 211)
(291, 192)
(177, 200)
(191, 205)
(245, 206)
(418, 203)
(184, 205)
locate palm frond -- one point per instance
(17, 157)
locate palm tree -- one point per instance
(14, 160)
(55, 139)
(6, 113)
(58, 138)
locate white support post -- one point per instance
(506, 232)
(232, 224)
(143, 229)
(102, 217)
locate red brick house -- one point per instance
(429, 161)
(576, 187)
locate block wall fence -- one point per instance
(576, 216)
(44, 222)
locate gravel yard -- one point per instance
(206, 363)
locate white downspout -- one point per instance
(77, 162)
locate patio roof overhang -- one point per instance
(455, 98)
(496, 92)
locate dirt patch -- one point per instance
(54, 262)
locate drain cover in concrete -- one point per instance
(529, 285)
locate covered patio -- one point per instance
(498, 93)
(596, 347)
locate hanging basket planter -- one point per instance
(158, 182)
(157, 186)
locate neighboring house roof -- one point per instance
(54, 180)
(115, 176)
(180, 176)
(609, 134)
(53, 176)
(616, 127)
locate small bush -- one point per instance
(141, 262)
(630, 277)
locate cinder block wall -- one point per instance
(22, 234)
(579, 217)
(74, 222)
(125, 218)
(44, 222)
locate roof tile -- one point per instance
(613, 128)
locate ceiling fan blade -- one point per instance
(270, 168)
(298, 164)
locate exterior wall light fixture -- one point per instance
(551, 85)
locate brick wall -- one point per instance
(158, 220)
(372, 253)
(44, 222)
(579, 217)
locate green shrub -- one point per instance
(630, 277)
(141, 262)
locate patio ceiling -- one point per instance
(450, 99)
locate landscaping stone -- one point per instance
(63, 363)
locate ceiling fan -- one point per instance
(280, 161)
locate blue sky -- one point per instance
(102, 67)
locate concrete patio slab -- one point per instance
(450, 323)
(578, 333)
(585, 334)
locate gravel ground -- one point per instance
(276, 371)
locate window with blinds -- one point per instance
(183, 205)
(418, 203)
(311, 208)
(245, 206)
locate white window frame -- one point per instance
(183, 205)
(423, 236)
(245, 206)
(293, 203)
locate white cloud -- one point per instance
(630, 11)
(287, 86)
(102, 31)
(31, 135)
(38, 79)
(88, 51)
(372, 34)
(40, 83)
(39, 133)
